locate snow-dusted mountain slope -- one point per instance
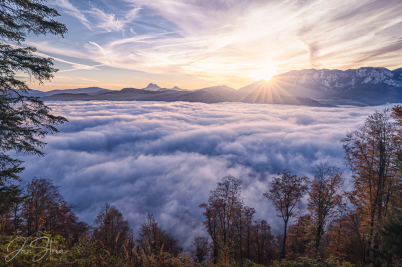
(335, 80)
(367, 85)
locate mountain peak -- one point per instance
(152, 87)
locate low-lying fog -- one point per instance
(164, 158)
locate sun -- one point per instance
(263, 74)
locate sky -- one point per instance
(193, 44)
(164, 158)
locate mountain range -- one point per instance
(312, 87)
(364, 86)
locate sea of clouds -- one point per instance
(164, 158)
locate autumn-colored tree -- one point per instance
(153, 239)
(112, 229)
(64, 222)
(221, 215)
(285, 192)
(200, 249)
(248, 217)
(43, 199)
(300, 236)
(397, 189)
(397, 114)
(335, 236)
(390, 229)
(325, 198)
(46, 210)
(345, 240)
(371, 153)
(262, 242)
(240, 222)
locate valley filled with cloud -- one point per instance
(164, 158)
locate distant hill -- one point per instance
(212, 95)
(89, 91)
(178, 89)
(206, 95)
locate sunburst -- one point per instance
(263, 74)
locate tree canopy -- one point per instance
(24, 120)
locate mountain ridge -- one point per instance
(205, 95)
(363, 86)
(369, 85)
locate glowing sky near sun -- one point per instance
(199, 43)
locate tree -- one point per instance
(111, 228)
(390, 231)
(344, 239)
(262, 242)
(44, 209)
(154, 240)
(43, 199)
(221, 214)
(371, 153)
(200, 249)
(285, 192)
(397, 188)
(324, 197)
(248, 216)
(300, 236)
(11, 196)
(24, 120)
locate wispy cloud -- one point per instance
(100, 19)
(105, 21)
(225, 42)
(101, 49)
(72, 11)
(110, 22)
(75, 66)
(98, 46)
